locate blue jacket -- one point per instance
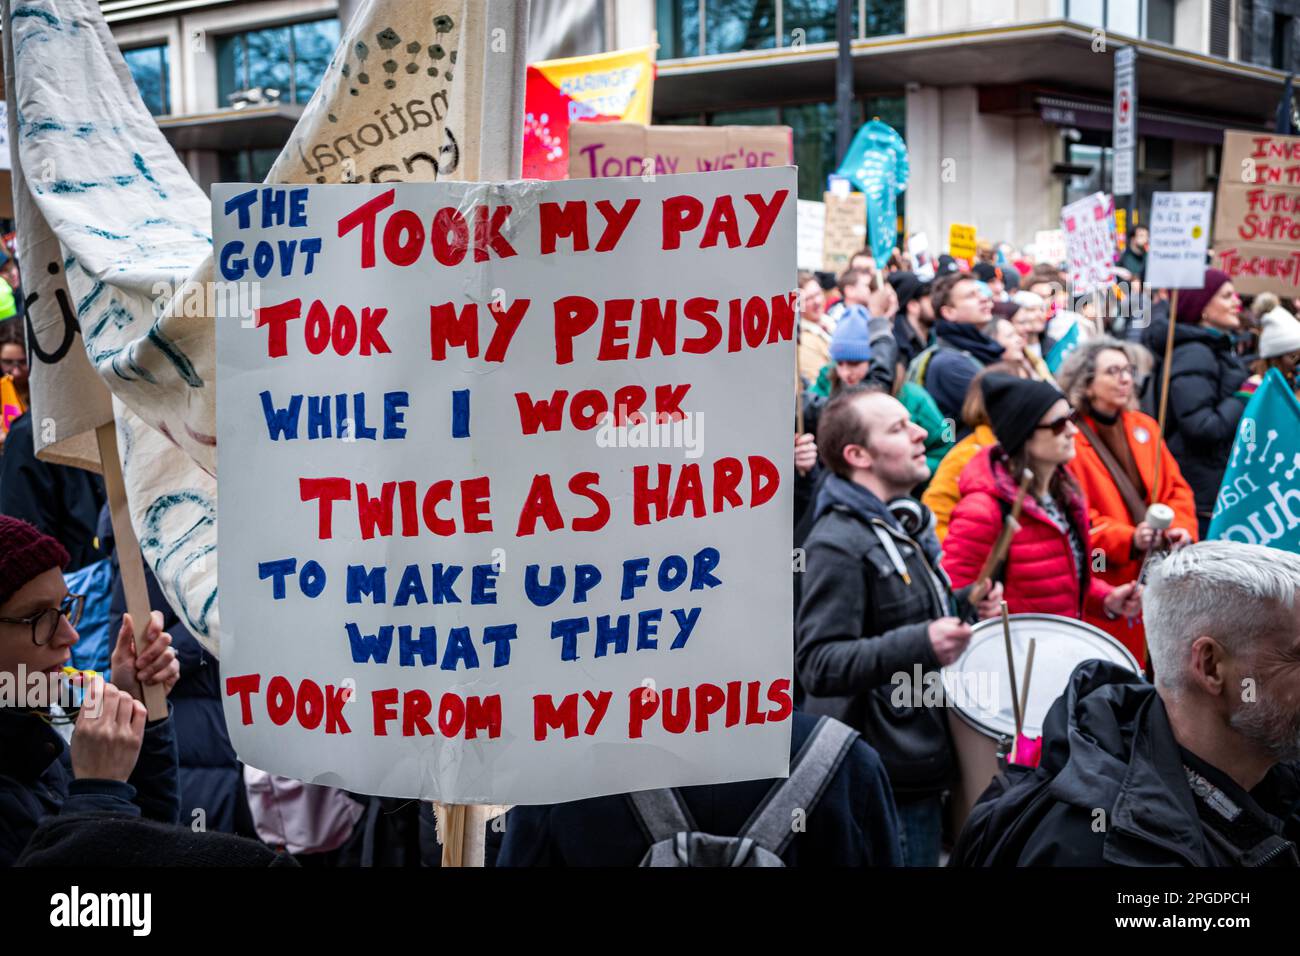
(36, 780)
(853, 824)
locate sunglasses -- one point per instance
(1058, 426)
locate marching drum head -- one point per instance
(979, 688)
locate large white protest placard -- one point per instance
(443, 574)
(1089, 227)
(1180, 240)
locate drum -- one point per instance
(978, 690)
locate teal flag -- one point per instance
(1259, 500)
(1067, 344)
(876, 164)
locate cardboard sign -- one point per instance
(1257, 224)
(846, 230)
(961, 241)
(505, 501)
(1180, 237)
(628, 149)
(1049, 246)
(812, 234)
(1089, 227)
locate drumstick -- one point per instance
(984, 581)
(1011, 667)
(1024, 688)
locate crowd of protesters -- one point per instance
(937, 399)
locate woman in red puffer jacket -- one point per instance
(1047, 570)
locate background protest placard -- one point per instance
(1089, 227)
(445, 572)
(621, 149)
(1049, 246)
(1180, 236)
(812, 234)
(961, 241)
(846, 229)
(1257, 226)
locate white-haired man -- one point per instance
(1197, 770)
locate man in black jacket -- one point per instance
(118, 763)
(1199, 770)
(946, 368)
(877, 611)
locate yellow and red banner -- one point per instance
(604, 88)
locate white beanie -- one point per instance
(1281, 334)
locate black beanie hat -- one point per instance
(1014, 406)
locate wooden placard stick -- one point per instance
(1164, 393)
(128, 558)
(984, 581)
(1024, 688)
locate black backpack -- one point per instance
(675, 841)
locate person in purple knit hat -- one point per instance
(1206, 400)
(117, 763)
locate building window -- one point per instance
(283, 64)
(148, 66)
(1160, 20)
(1151, 19)
(734, 25)
(247, 165)
(1221, 28)
(1283, 42)
(730, 26)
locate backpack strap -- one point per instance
(661, 814)
(810, 773)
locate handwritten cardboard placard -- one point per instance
(629, 149)
(1257, 223)
(846, 229)
(1089, 227)
(1180, 237)
(505, 509)
(961, 241)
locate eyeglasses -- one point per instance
(1058, 426)
(45, 623)
(13, 363)
(1119, 371)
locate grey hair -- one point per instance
(1080, 368)
(1239, 594)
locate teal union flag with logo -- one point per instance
(1259, 500)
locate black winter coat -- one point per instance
(1204, 409)
(1113, 790)
(862, 634)
(63, 502)
(853, 824)
(36, 780)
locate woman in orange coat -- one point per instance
(1115, 462)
